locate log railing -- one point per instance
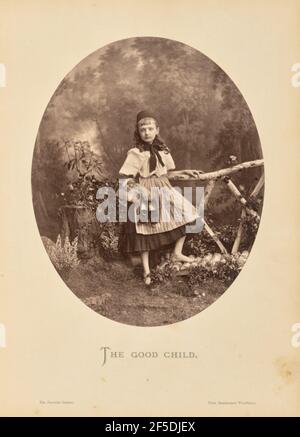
(218, 174)
(224, 176)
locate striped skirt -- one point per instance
(171, 212)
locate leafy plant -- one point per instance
(162, 273)
(81, 158)
(227, 272)
(63, 254)
(201, 244)
(224, 271)
(86, 174)
(199, 274)
(108, 240)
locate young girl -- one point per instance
(148, 163)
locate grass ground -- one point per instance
(116, 290)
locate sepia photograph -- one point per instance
(150, 237)
(148, 181)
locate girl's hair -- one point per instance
(158, 141)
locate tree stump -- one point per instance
(79, 221)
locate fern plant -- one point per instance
(64, 254)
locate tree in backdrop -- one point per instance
(203, 116)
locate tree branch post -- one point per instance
(199, 175)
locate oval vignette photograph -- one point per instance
(148, 181)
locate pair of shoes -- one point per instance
(147, 279)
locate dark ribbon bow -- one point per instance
(154, 153)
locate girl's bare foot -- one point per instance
(181, 258)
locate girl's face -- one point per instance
(148, 130)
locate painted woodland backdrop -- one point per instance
(88, 124)
(82, 141)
